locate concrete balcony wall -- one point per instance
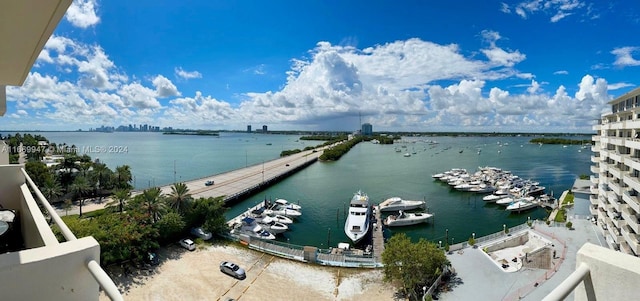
(631, 239)
(51, 273)
(593, 199)
(633, 124)
(632, 182)
(594, 180)
(35, 229)
(632, 201)
(632, 143)
(615, 156)
(595, 169)
(632, 221)
(610, 275)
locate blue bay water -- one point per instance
(324, 188)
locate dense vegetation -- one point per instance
(382, 139)
(560, 141)
(332, 140)
(130, 227)
(323, 137)
(412, 266)
(334, 153)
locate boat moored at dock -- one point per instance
(356, 226)
(397, 204)
(407, 219)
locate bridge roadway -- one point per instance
(247, 179)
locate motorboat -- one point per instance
(357, 224)
(521, 205)
(482, 188)
(251, 228)
(282, 210)
(407, 155)
(272, 225)
(288, 205)
(494, 197)
(281, 219)
(397, 203)
(406, 219)
(508, 200)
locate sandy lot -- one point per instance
(184, 275)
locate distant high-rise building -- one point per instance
(264, 128)
(367, 129)
(248, 128)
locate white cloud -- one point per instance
(164, 87)
(558, 9)
(498, 55)
(135, 95)
(187, 74)
(624, 56)
(617, 86)
(561, 72)
(82, 13)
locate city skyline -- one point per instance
(499, 66)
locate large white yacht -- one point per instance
(357, 224)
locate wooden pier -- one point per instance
(377, 237)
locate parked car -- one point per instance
(188, 244)
(232, 270)
(208, 183)
(201, 233)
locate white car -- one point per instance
(188, 244)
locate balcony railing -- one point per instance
(601, 274)
(26, 271)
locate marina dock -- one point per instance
(377, 238)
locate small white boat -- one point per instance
(494, 197)
(406, 219)
(407, 155)
(521, 206)
(508, 200)
(288, 205)
(251, 228)
(272, 225)
(281, 219)
(281, 210)
(397, 203)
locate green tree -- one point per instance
(121, 197)
(412, 265)
(80, 188)
(152, 203)
(100, 173)
(170, 226)
(179, 198)
(51, 189)
(38, 172)
(123, 177)
(208, 212)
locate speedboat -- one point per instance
(494, 197)
(281, 219)
(251, 228)
(282, 210)
(357, 224)
(508, 200)
(397, 203)
(406, 219)
(521, 206)
(272, 225)
(288, 205)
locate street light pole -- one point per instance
(174, 171)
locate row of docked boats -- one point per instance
(506, 189)
(268, 220)
(360, 215)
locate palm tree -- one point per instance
(123, 176)
(121, 197)
(79, 188)
(51, 189)
(153, 202)
(99, 170)
(179, 198)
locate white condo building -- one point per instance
(616, 164)
(34, 264)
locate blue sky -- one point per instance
(504, 66)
